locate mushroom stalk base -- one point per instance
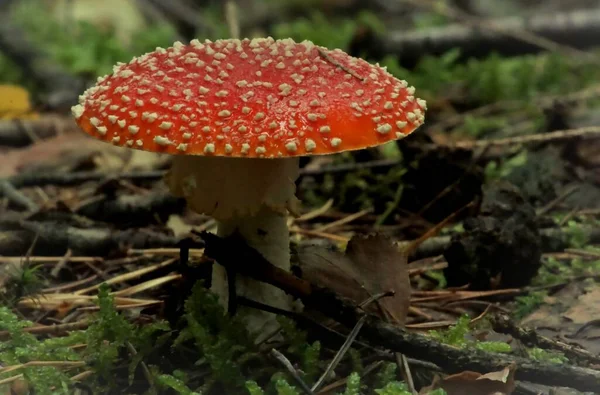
(267, 232)
(250, 197)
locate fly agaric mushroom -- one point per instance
(237, 115)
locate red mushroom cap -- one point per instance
(249, 98)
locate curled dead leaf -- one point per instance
(371, 265)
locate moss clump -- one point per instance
(540, 354)
(24, 347)
(526, 304)
(84, 49)
(222, 342)
(175, 383)
(318, 28)
(456, 336)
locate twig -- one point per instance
(56, 364)
(340, 354)
(55, 238)
(590, 132)
(232, 18)
(145, 369)
(232, 252)
(548, 207)
(553, 239)
(290, 368)
(503, 324)
(133, 209)
(128, 276)
(15, 133)
(331, 60)
(375, 298)
(368, 370)
(51, 329)
(343, 221)
(16, 196)
(11, 379)
(181, 12)
(521, 31)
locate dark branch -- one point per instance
(231, 252)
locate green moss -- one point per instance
(494, 347)
(526, 304)
(496, 78)
(85, 49)
(577, 236)
(300, 349)
(24, 347)
(353, 384)
(285, 388)
(253, 388)
(386, 374)
(221, 341)
(477, 126)
(176, 384)
(540, 354)
(23, 280)
(394, 388)
(318, 28)
(501, 169)
(456, 336)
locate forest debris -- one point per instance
(15, 103)
(501, 247)
(156, 282)
(587, 132)
(133, 209)
(248, 262)
(436, 195)
(570, 31)
(503, 324)
(56, 238)
(16, 196)
(128, 276)
(473, 383)
(67, 301)
(370, 265)
(586, 308)
(65, 150)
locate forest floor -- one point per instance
(491, 210)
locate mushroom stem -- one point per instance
(250, 197)
(267, 232)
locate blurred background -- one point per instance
(488, 69)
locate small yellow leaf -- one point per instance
(15, 103)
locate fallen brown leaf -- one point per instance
(70, 149)
(371, 265)
(586, 308)
(473, 383)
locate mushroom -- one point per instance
(237, 115)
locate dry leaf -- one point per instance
(72, 148)
(473, 383)
(371, 265)
(15, 103)
(585, 308)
